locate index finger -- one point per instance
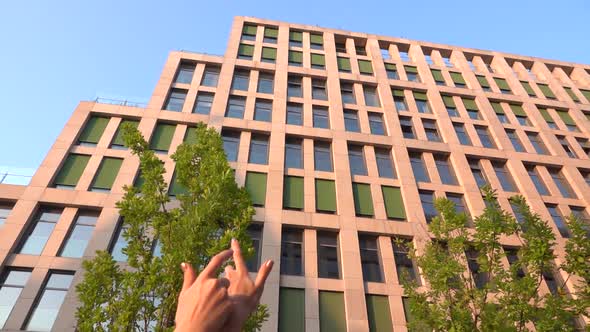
(238, 259)
(215, 263)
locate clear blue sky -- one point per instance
(56, 53)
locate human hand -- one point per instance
(244, 293)
(203, 303)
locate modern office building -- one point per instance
(344, 140)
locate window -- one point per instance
(316, 41)
(294, 114)
(545, 114)
(266, 83)
(343, 64)
(529, 90)
(116, 248)
(478, 173)
(460, 205)
(106, 174)
(479, 278)
(533, 172)
(70, 171)
(431, 130)
(391, 71)
(497, 107)
(292, 251)
(318, 61)
(291, 309)
(378, 313)
(190, 135)
(580, 213)
(79, 236)
(351, 121)
(471, 108)
(568, 121)
(400, 100)
(37, 235)
(537, 143)
(269, 54)
(356, 159)
(295, 58)
(371, 96)
(293, 153)
(322, 153)
(422, 102)
(263, 110)
(185, 73)
(518, 215)
(502, 85)
(118, 142)
(47, 306)
(363, 201)
(340, 44)
(461, 133)
(512, 257)
(295, 38)
(93, 130)
(325, 196)
(445, 170)
(586, 175)
(485, 86)
(384, 163)
(360, 49)
(428, 59)
(255, 233)
(438, 77)
(241, 80)
(294, 86)
(249, 32)
(11, 285)
(394, 203)
(5, 210)
(210, 77)
(404, 56)
(471, 65)
(566, 146)
(293, 193)
(256, 187)
(418, 167)
(162, 137)
(427, 201)
(571, 93)
(370, 258)
(231, 144)
(584, 145)
(549, 277)
(407, 127)
(347, 92)
(203, 103)
(318, 89)
(320, 117)
(376, 123)
(176, 188)
(406, 271)
(520, 114)
(450, 106)
(332, 311)
(504, 176)
(385, 53)
(235, 107)
(328, 266)
(546, 91)
(447, 61)
(484, 137)
(258, 149)
(365, 67)
(270, 35)
(458, 80)
(245, 51)
(586, 94)
(561, 183)
(513, 136)
(558, 220)
(412, 73)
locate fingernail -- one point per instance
(233, 240)
(183, 266)
(269, 262)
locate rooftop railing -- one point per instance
(18, 178)
(120, 102)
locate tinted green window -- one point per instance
(363, 201)
(175, 187)
(162, 137)
(293, 192)
(566, 118)
(586, 94)
(420, 95)
(394, 203)
(269, 53)
(448, 100)
(93, 129)
(332, 312)
(256, 186)
(343, 63)
(483, 81)
(191, 135)
(502, 84)
(271, 32)
(398, 93)
(546, 91)
(379, 314)
(457, 78)
(246, 50)
(545, 113)
(316, 39)
(497, 107)
(296, 36)
(71, 170)
(411, 69)
(470, 104)
(527, 87)
(318, 60)
(291, 310)
(437, 75)
(118, 139)
(517, 110)
(249, 30)
(325, 195)
(295, 56)
(107, 173)
(571, 93)
(365, 67)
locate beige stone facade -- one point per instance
(26, 200)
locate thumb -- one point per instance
(189, 276)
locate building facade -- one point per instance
(343, 139)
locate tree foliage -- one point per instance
(209, 210)
(484, 292)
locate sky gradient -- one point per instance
(57, 53)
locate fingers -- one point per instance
(229, 271)
(210, 271)
(223, 282)
(189, 276)
(238, 259)
(262, 275)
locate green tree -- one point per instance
(469, 288)
(209, 210)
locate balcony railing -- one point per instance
(120, 102)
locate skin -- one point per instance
(209, 304)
